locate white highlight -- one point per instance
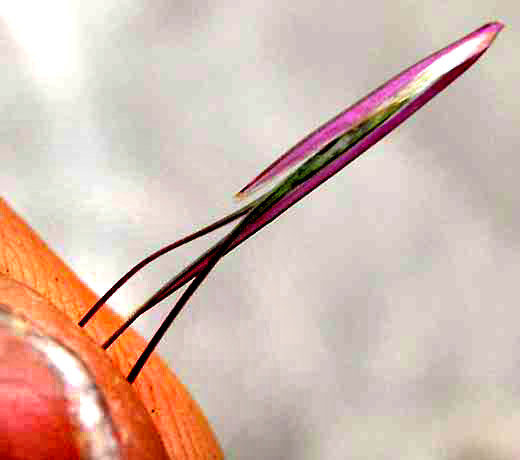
(46, 30)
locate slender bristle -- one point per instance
(170, 247)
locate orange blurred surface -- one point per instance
(25, 258)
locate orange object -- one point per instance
(26, 264)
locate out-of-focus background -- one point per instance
(379, 318)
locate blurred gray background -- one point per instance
(379, 318)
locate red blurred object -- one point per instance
(34, 418)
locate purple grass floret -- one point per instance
(315, 159)
(481, 39)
